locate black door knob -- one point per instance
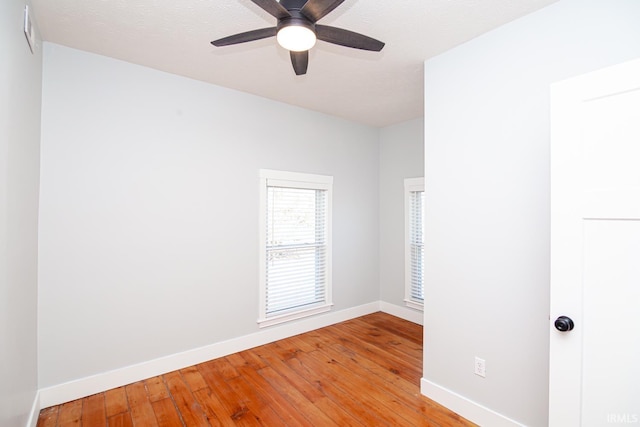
(564, 324)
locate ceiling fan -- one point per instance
(297, 30)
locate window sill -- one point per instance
(414, 305)
(275, 320)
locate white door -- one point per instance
(595, 248)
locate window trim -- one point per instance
(270, 177)
(410, 185)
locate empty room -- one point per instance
(426, 215)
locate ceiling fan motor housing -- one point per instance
(297, 19)
(291, 5)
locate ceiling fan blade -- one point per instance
(347, 38)
(248, 36)
(274, 8)
(300, 62)
(316, 9)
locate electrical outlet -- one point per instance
(479, 367)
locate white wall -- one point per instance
(487, 198)
(20, 92)
(149, 204)
(401, 156)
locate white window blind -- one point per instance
(296, 263)
(414, 252)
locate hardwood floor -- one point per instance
(362, 372)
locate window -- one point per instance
(295, 246)
(414, 242)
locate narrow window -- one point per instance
(295, 249)
(414, 242)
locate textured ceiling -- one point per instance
(377, 89)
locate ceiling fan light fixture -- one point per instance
(296, 38)
(296, 30)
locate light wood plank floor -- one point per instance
(362, 372)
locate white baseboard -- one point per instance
(469, 409)
(405, 313)
(35, 411)
(82, 387)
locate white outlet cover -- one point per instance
(480, 367)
